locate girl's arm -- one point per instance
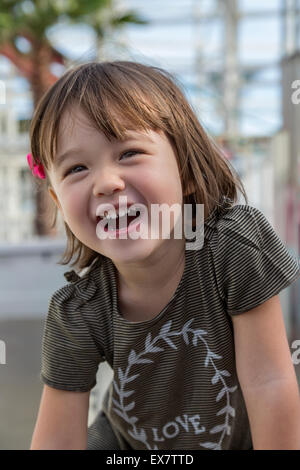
(267, 377)
(62, 420)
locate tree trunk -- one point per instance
(41, 80)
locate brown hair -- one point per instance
(121, 95)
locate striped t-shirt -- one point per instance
(175, 382)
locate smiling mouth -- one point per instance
(119, 221)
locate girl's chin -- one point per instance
(137, 250)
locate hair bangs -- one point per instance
(115, 105)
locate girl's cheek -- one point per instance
(70, 202)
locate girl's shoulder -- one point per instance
(76, 277)
(242, 222)
(250, 261)
(81, 286)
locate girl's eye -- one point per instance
(131, 151)
(72, 170)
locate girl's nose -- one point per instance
(106, 182)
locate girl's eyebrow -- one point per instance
(129, 136)
(64, 156)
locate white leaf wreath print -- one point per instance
(125, 378)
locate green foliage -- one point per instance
(32, 18)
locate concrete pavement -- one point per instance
(21, 387)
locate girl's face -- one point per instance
(89, 170)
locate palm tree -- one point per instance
(31, 20)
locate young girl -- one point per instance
(195, 337)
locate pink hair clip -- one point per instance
(37, 170)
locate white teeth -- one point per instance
(114, 215)
(133, 210)
(123, 212)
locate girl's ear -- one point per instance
(55, 198)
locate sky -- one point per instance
(178, 46)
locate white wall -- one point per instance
(28, 277)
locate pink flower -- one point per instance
(37, 170)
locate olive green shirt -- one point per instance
(175, 382)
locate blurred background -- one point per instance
(238, 62)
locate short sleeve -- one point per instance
(251, 262)
(70, 357)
